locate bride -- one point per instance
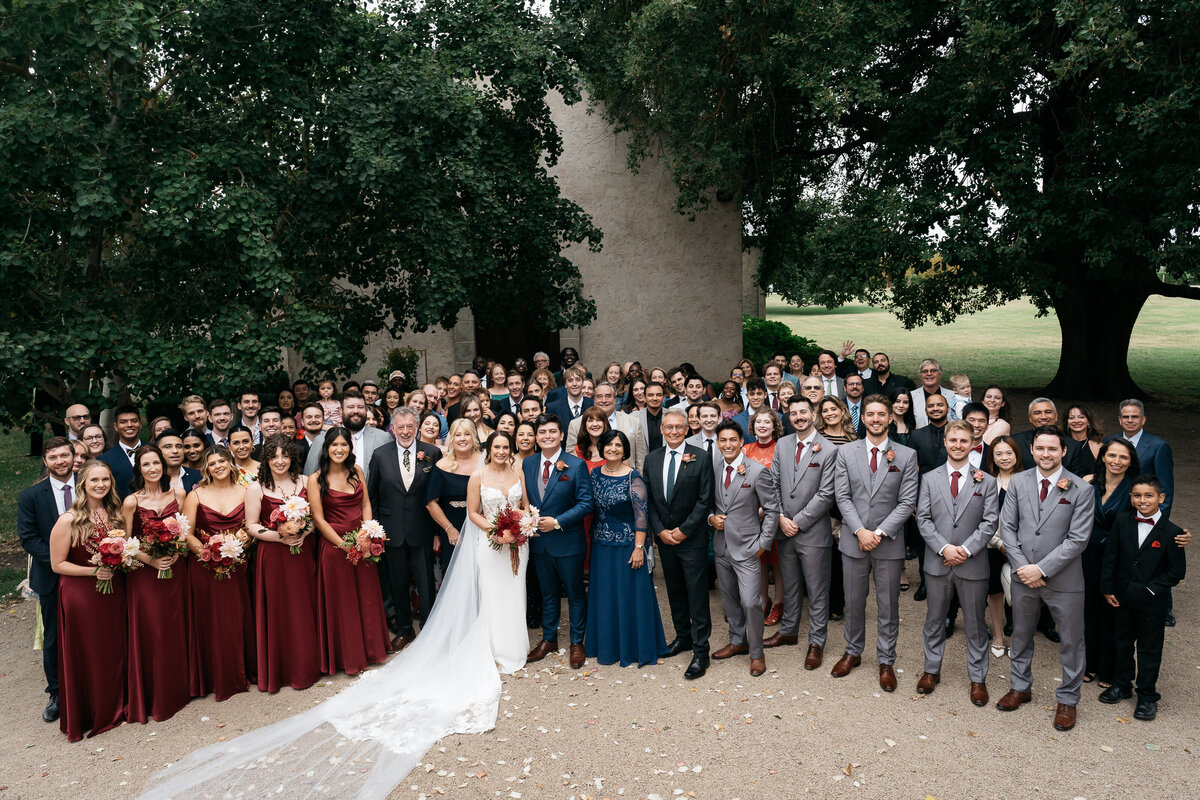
(363, 741)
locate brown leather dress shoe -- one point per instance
(887, 678)
(979, 693)
(757, 667)
(543, 649)
(577, 656)
(780, 639)
(1013, 700)
(402, 641)
(1064, 717)
(814, 657)
(927, 682)
(731, 650)
(846, 663)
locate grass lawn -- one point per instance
(16, 472)
(1009, 344)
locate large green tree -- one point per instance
(189, 186)
(936, 156)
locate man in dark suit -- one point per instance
(516, 391)
(679, 481)
(128, 423)
(883, 381)
(396, 485)
(1141, 564)
(38, 508)
(559, 485)
(929, 440)
(569, 403)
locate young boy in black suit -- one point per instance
(1141, 564)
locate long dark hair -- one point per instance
(138, 483)
(1135, 465)
(630, 404)
(272, 444)
(910, 418)
(323, 461)
(1005, 412)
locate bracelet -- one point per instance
(639, 547)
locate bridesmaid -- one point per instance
(446, 492)
(285, 583)
(351, 625)
(158, 633)
(222, 625)
(241, 444)
(91, 626)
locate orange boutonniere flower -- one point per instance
(420, 455)
(977, 476)
(561, 466)
(741, 470)
(816, 447)
(689, 458)
(891, 455)
(1064, 484)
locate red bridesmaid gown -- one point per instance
(158, 634)
(222, 625)
(285, 609)
(92, 652)
(350, 621)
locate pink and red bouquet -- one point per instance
(513, 528)
(373, 534)
(165, 537)
(223, 553)
(295, 509)
(117, 552)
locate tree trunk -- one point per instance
(1096, 318)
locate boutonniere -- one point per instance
(1065, 484)
(420, 455)
(561, 466)
(891, 455)
(1156, 543)
(816, 447)
(741, 470)
(977, 476)
(689, 458)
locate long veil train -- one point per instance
(363, 741)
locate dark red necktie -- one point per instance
(1147, 521)
(1045, 488)
(728, 476)
(954, 476)
(799, 447)
(545, 475)
(874, 458)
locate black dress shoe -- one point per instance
(697, 668)
(910, 554)
(50, 712)
(1146, 710)
(1008, 628)
(1115, 694)
(678, 646)
(920, 594)
(835, 616)
(949, 628)
(1170, 620)
(533, 622)
(1051, 633)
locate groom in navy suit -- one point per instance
(561, 488)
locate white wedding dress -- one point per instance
(363, 741)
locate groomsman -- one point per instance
(558, 484)
(679, 480)
(876, 488)
(802, 472)
(740, 539)
(128, 424)
(1045, 525)
(957, 513)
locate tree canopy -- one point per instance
(935, 157)
(190, 186)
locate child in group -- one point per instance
(333, 409)
(1141, 563)
(961, 386)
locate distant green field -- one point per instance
(1009, 344)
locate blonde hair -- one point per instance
(547, 374)
(82, 527)
(225, 453)
(847, 429)
(461, 422)
(959, 381)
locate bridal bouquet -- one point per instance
(165, 537)
(374, 533)
(223, 553)
(294, 509)
(513, 528)
(118, 553)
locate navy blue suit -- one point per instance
(37, 511)
(191, 477)
(1154, 455)
(560, 406)
(559, 555)
(121, 466)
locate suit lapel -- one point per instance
(1046, 507)
(942, 482)
(1153, 536)
(550, 484)
(864, 466)
(966, 490)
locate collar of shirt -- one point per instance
(553, 460)
(58, 485)
(1156, 517)
(737, 462)
(1053, 478)
(883, 446)
(411, 448)
(679, 450)
(1137, 437)
(808, 441)
(950, 470)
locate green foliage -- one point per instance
(190, 187)
(761, 338)
(405, 359)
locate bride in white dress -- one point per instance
(363, 741)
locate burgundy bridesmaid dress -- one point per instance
(92, 652)
(351, 622)
(285, 610)
(158, 634)
(222, 658)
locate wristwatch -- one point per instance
(639, 547)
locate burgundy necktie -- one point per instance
(1045, 488)
(874, 458)
(728, 476)
(799, 447)
(67, 498)
(545, 475)
(954, 476)
(1143, 519)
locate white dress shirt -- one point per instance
(356, 442)
(1144, 529)
(407, 474)
(964, 481)
(830, 385)
(60, 499)
(679, 451)
(554, 459)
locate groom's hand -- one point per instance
(547, 524)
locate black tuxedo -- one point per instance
(893, 383)
(37, 511)
(1141, 579)
(410, 530)
(685, 565)
(930, 444)
(121, 466)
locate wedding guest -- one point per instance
(710, 417)
(375, 418)
(541, 360)
(1043, 413)
(370, 392)
(287, 426)
(392, 399)
(92, 627)
(767, 428)
(158, 684)
(531, 408)
(93, 437)
(636, 398)
(853, 385)
(795, 369)
(589, 387)
(903, 421)
(587, 444)
(241, 444)
(351, 625)
(221, 627)
(39, 507)
(833, 421)
(931, 384)
(680, 493)
(960, 384)
(506, 422)
(1154, 454)
(312, 423)
(332, 408)
(1083, 428)
(157, 426)
(286, 402)
(76, 418)
(545, 379)
(756, 400)
(363, 439)
(470, 408)
(430, 431)
(81, 456)
(195, 414)
(302, 392)
(417, 401)
(883, 381)
(446, 496)
(285, 573)
(999, 414)
(730, 400)
(1004, 461)
(497, 384)
(525, 439)
(606, 401)
(128, 424)
(693, 418)
(248, 405)
(827, 374)
(623, 621)
(613, 374)
(220, 416)
(812, 388)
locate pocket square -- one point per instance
(893, 468)
(745, 486)
(1156, 543)
(564, 478)
(1062, 501)
(814, 464)
(977, 494)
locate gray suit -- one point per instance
(805, 495)
(628, 425)
(736, 548)
(372, 439)
(881, 500)
(1052, 535)
(970, 521)
(698, 440)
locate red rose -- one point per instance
(376, 548)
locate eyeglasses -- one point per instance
(80, 417)
(930, 371)
(95, 437)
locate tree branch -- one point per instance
(20, 70)
(1176, 290)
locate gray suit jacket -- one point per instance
(805, 493)
(628, 425)
(697, 440)
(968, 520)
(1053, 534)
(372, 438)
(882, 500)
(744, 535)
